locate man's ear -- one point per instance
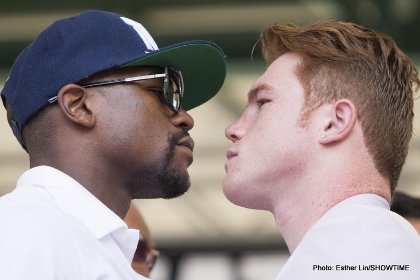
(75, 103)
(340, 122)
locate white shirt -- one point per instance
(358, 238)
(51, 227)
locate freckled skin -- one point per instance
(268, 139)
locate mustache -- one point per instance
(173, 140)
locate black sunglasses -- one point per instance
(173, 86)
(146, 254)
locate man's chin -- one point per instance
(165, 192)
(237, 195)
(180, 162)
(176, 193)
(230, 192)
(174, 183)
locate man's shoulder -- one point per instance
(350, 240)
(34, 237)
(32, 213)
(361, 234)
(366, 220)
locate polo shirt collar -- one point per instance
(368, 199)
(73, 199)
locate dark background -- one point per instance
(398, 18)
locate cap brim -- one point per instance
(202, 64)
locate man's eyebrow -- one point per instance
(254, 91)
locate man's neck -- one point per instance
(295, 218)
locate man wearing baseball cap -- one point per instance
(101, 111)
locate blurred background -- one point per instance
(201, 235)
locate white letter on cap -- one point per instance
(143, 33)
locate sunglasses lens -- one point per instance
(176, 101)
(175, 89)
(145, 254)
(141, 252)
(151, 259)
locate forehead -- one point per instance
(283, 68)
(279, 75)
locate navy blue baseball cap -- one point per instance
(75, 48)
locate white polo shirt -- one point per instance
(358, 238)
(51, 227)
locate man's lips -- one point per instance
(230, 154)
(186, 142)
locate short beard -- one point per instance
(161, 180)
